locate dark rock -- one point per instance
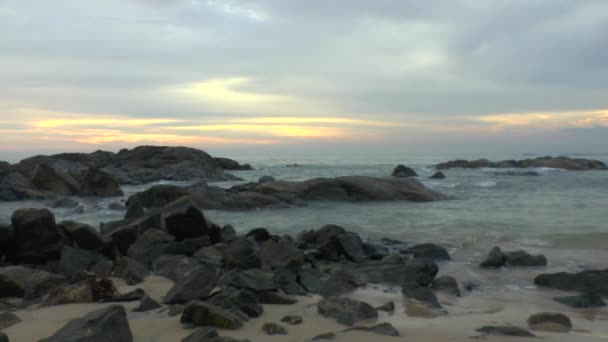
(340, 282)
(324, 337)
(132, 296)
(550, 162)
(287, 280)
(241, 253)
(8, 319)
(259, 234)
(196, 286)
(209, 255)
(375, 251)
(204, 334)
(348, 245)
(75, 263)
(584, 300)
(276, 298)
(277, 254)
(524, 259)
(387, 307)
(512, 173)
(56, 181)
(7, 240)
(157, 196)
(385, 329)
(345, 310)
(37, 238)
(419, 272)
(428, 250)
(34, 282)
(586, 281)
(85, 236)
(504, 331)
(266, 179)
(96, 182)
(447, 284)
(107, 324)
(274, 329)
(310, 282)
(142, 248)
(495, 259)
(438, 175)
(147, 304)
(3, 337)
(175, 310)
(131, 271)
(251, 279)
(116, 206)
(135, 210)
(423, 295)
(64, 202)
(549, 321)
(9, 288)
(227, 234)
(404, 171)
(183, 219)
(231, 165)
(321, 236)
(238, 301)
(292, 319)
(204, 314)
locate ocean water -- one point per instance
(560, 213)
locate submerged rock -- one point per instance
(345, 310)
(428, 250)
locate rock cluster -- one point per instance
(573, 164)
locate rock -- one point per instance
(231, 165)
(512, 173)
(196, 286)
(340, 282)
(204, 334)
(241, 253)
(96, 182)
(157, 196)
(107, 324)
(142, 249)
(524, 259)
(446, 284)
(286, 279)
(375, 251)
(495, 259)
(7, 240)
(37, 238)
(77, 293)
(75, 262)
(310, 282)
(438, 175)
(586, 281)
(348, 245)
(549, 162)
(292, 319)
(251, 279)
(56, 181)
(175, 310)
(238, 301)
(116, 206)
(404, 171)
(278, 254)
(259, 234)
(428, 250)
(387, 307)
(85, 236)
(274, 329)
(345, 310)
(419, 273)
(584, 300)
(227, 234)
(3, 337)
(9, 288)
(324, 337)
(8, 319)
(266, 179)
(183, 219)
(276, 298)
(504, 331)
(209, 255)
(34, 282)
(131, 271)
(135, 210)
(204, 314)
(64, 202)
(424, 296)
(549, 321)
(385, 329)
(147, 304)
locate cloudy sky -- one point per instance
(340, 75)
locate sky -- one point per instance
(269, 76)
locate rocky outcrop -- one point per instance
(572, 164)
(108, 324)
(595, 281)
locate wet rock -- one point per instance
(85, 236)
(375, 251)
(258, 234)
(345, 310)
(147, 303)
(438, 175)
(311, 282)
(584, 300)
(204, 314)
(142, 249)
(385, 329)
(404, 171)
(287, 280)
(504, 331)
(183, 219)
(37, 238)
(428, 250)
(495, 259)
(196, 286)
(419, 273)
(241, 253)
(340, 282)
(131, 271)
(3, 337)
(227, 234)
(292, 319)
(387, 307)
(321, 236)
(8, 319)
(550, 321)
(524, 259)
(586, 281)
(64, 202)
(96, 182)
(231, 165)
(274, 329)
(107, 324)
(56, 181)
(135, 210)
(75, 263)
(251, 279)
(9, 288)
(324, 337)
(266, 179)
(348, 245)
(276, 298)
(278, 254)
(157, 196)
(204, 334)
(238, 301)
(446, 284)
(35, 282)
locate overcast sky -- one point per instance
(347, 76)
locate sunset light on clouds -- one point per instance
(240, 74)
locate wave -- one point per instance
(485, 184)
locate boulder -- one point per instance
(7, 239)
(227, 234)
(310, 281)
(157, 196)
(292, 319)
(428, 250)
(345, 310)
(85, 236)
(387, 307)
(504, 331)
(49, 179)
(404, 171)
(321, 236)
(375, 251)
(147, 303)
(251, 279)
(3, 337)
(495, 259)
(65, 202)
(204, 334)
(419, 273)
(266, 179)
(107, 324)
(278, 254)
(135, 210)
(348, 245)
(586, 281)
(231, 165)
(131, 271)
(196, 286)
(340, 282)
(287, 280)
(549, 162)
(209, 255)
(584, 300)
(9, 288)
(524, 259)
(204, 314)
(96, 182)
(438, 175)
(276, 298)
(34, 282)
(37, 238)
(241, 253)
(446, 284)
(274, 329)
(258, 234)
(75, 262)
(237, 301)
(175, 267)
(550, 321)
(142, 248)
(183, 219)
